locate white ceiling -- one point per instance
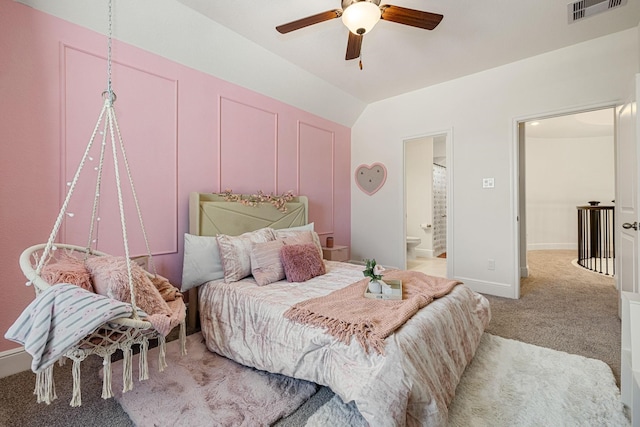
(473, 36)
(598, 123)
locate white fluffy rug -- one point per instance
(203, 388)
(510, 383)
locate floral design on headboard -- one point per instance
(279, 202)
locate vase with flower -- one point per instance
(374, 272)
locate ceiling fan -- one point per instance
(360, 16)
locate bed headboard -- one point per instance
(210, 215)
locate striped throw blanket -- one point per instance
(58, 319)
(346, 313)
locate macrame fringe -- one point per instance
(127, 380)
(106, 377)
(143, 365)
(162, 362)
(183, 338)
(76, 399)
(45, 389)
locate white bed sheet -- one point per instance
(412, 384)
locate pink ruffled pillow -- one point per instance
(67, 269)
(301, 262)
(110, 278)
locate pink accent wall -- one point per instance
(183, 131)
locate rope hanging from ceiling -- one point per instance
(119, 333)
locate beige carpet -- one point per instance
(562, 307)
(203, 388)
(510, 383)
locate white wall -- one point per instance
(481, 111)
(562, 173)
(419, 189)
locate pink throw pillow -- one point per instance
(235, 252)
(266, 266)
(110, 278)
(67, 269)
(301, 262)
(297, 237)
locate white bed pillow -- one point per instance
(201, 261)
(235, 252)
(306, 227)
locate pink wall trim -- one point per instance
(315, 148)
(52, 75)
(148, 121)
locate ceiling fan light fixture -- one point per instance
(361, 17)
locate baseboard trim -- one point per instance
(524, 272)
(484, 287)
(14, 361)
(424, 253)
(552, 246)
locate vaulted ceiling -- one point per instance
(473, 36)
(237, 41)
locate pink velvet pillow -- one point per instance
(67, 269)
(110, 278)
(301, 262)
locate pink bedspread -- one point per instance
(412, 384)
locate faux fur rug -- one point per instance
(203, 387)
(510, 383)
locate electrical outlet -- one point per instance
(488, 183)
(491, 264)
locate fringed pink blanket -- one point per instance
(346, 313)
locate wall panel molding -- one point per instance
(316, 173)
(243, 158)
(147, 115)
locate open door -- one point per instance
(627, 196)
(626, 232)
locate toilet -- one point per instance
(412, 243)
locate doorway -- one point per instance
(427, 199)
(565, 161)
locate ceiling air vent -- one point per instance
(583, 8)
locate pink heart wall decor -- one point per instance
(371, 178)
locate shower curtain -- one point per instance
(439, 209)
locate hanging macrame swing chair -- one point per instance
(118, 333)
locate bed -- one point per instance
(411, 384)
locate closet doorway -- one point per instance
(427, 199)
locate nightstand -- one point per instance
(336, 253)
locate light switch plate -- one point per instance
(488, 183)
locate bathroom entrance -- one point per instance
(426, 203)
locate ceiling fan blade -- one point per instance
(353, 46)
(415, 18)
(309, 20)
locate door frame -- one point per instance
(518, 211)
(450, 211)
